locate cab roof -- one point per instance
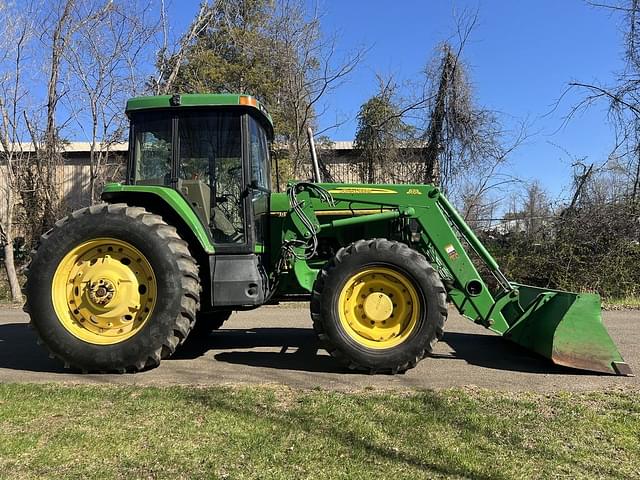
(191, 100)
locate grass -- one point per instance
(623, 303)
(131, 432)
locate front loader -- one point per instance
(195, 232)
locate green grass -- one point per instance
(130, 432)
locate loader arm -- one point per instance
(563, 326)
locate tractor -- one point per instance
(196, 231)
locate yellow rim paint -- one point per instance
(379, 307)
(104, 291)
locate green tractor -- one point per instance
(196, 232)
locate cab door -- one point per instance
(240, 276)
(260, 184)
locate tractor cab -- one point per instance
(213, 150)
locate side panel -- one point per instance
(237, 280)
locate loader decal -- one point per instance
(451, 251)
(368, 190)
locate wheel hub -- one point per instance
(102, 291)
(378, 306)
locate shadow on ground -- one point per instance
(19, 350)
(299, 351)
(286, 348)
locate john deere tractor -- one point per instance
(196, 232)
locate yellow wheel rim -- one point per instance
(379, 308)
(104, 291)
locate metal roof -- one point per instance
(198, 100)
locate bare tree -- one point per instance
(104, 56)
(535, 210)
(383, 139)
(310, 67)
(49, 157)
(170, 60)
(40, 193)
(622, 95)
(462, 146)
(459, 135)
(12, 157)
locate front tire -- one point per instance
(378, 306)
(112, 288)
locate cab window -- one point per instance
(152, 137)
(260, 179)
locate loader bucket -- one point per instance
(564, 327)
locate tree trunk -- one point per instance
(636, 179)
(10, 268)
(201, 22)
(59, 41)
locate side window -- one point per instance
(153, 149)
(260, 177)
(259, 154)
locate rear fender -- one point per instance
(168, 203)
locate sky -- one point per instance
(521, 56)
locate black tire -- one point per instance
(207, 322)
(176, 278)
(366, 254)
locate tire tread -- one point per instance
(360, 247)
(188, 267)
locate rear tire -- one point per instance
(378, 306)
(112, 288)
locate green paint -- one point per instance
(196, 100)
(374, 217)
(563, 326)
(464, 228)
(175, 201)
(305, 275)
